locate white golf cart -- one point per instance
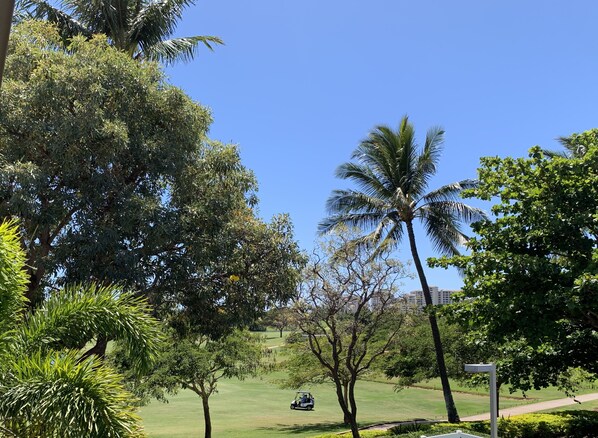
(303, 400)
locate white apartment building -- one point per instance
(415, 299)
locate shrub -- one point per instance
(568, 424)
(363, 434)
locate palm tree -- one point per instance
(140, 28)
(576, 145)
(48, 385)
(392, 176)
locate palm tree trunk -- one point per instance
(451, 409)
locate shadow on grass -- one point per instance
(319, 428)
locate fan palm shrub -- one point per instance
(49, 386)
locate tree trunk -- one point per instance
(451, 409)
(353, 405)
(346, 415)
(354, 427)
(206, 417)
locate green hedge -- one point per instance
(568, 424)
(363, 434)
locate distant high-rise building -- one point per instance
(415, 299)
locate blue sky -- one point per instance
(299, 83)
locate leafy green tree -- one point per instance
(347, 310)
(531, 279)
(280, 317)
(198, 364)
(140, 28)
(113, 179)
(392, 175)
(48, 386)
(576, 145)
(412, 358)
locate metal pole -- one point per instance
(7, 8)
(493, 400)
(488, 368)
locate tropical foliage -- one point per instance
(48, 385)
(113, 179)
(531, 279)
(392, 175)
(140, 28)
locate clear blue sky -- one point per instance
(299, 83)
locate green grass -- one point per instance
(256, 408)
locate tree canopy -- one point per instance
(113, 178)
(531, 281)
(140, 28)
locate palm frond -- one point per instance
(13, 276)
(426, 164)
(407, 159)
(53, 395)
(156, 20)
(344, 201)
(67, 25)
(390, 240)
(555, 154)
(375, 152)
(78, 314)
(178, 49)
(368, 181)
(459, 211)
(442, 221)
(443, 230)
(450, 192)
(364, 221)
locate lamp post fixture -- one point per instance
(7, 8)
(488, 368)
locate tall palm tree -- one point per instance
(142, 28)
(392, 175)
(49, 386)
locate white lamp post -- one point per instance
(488, 368)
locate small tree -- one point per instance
(346, 309)
(198, 364)
(280, 318)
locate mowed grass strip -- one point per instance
(257, 407)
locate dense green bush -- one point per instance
(363, 434)
(568, 424)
